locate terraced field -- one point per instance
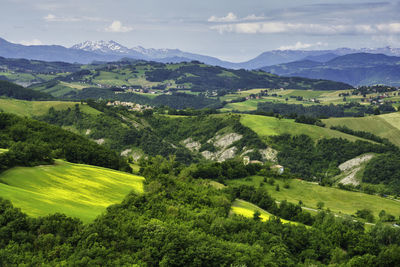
(338, 201)
(267, 126)
(37, 108)
(77, 190)
(387, 125)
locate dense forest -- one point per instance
(184, 222)
(31, 142)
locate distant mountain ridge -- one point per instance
(355, 69)
(89, 51)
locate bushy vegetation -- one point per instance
(153, 134)
(362, 134)
(31, 142)
(384, 169)
(261, 198)
(181, 223)
(317, 111)
(311, 161)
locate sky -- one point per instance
(235, 30)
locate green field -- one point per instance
(387, 125)
(37, 108)
(338, 201)
(247, 209)
(266, 126)
(77, 190)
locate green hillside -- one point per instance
(38, 108)
(338, 201)
(77, 190)
(266, 126)
(386, 126)
(247, 209)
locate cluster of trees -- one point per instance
(384, 169)
(318, 111)
(309, 120)
(318, 160)
(260, 197)
(222, 171)
(8, 89)
(178, 222)
(32, 142)
(362, 134)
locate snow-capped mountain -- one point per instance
(159, 53)
(103, 47)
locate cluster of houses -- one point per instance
(132, 106)
(378, 100)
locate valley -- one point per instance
(197, 156)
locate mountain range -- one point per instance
(90, 51)
(355, 69)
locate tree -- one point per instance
(320, 205)
(256, 216)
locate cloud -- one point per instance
(54, 18)
(32, 42)
(275, 27)
(228, 18)
(231, 17)
(116, 26)
(389, 28)
(300, 45)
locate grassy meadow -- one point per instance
(77, 190)
(267, 126)
(37, 108)
(387, 125)
(338, 201)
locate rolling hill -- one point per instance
(124, 78)
(76, 190)
(355, 69)
(386, 126)
(267, 126)
(337, 200)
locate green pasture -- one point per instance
(386, 126)
(76, 190)
(37, 108)
(266, 126)
(337, 200)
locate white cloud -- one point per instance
(54, 18)
(32, 42)
(228, 18)
(305, 28)
(389, 28)
(116, 26)
(300, 45)
(231, 17)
